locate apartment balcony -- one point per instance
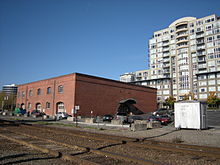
(166, 55)
(166, 60)
(165, 43)
(200, 48)
(182, 41)
(182, 45)
(201, 54)
(182, 30)
(166, 49)
(179, 35)
(202, 66)
(202, 61)
(166, 75)
(202, 71)
(200, 35)
(200, 31)
(166, 71)
(182, 26)
(166, 66)
(200, 42)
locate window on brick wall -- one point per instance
(48, 90)
(30, 93)
(47, 105)
(23, 94)
(38, 91)
(60, 89)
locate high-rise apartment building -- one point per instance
(184, 58)
(10, 89)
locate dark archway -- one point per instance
(38, 106)
(127, 106)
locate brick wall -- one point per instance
(67, 97)
(102, 96)
(91, 93)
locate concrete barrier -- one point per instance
(154, 124)
(45, 116)
(140, 121)
(70, 118)
(139, 127)
(89, 120)
(144, 125)
(117, 122)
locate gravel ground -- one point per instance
(208, 137)
(13, 153)
(150, 154)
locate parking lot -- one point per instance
(213, 118)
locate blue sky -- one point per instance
(40, 39)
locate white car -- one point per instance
(61, 115)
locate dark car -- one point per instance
(37, 113)
(164, 119)
(163, 111)
(108, 117)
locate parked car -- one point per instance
(37, 113)
(163, 111)
(131, 119)
(152, 118)
(108, 117)
(164, 119)
(62, 115)
(122, 116)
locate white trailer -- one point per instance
(190, 114)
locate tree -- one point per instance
(170, 101)
(7, 102)
(187, 96)
(213, 100)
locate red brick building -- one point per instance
(90, 93)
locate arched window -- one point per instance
(38, 106)
(23, 94)
(60, 107)
(38, 91)
(48, 90)
(30, 93)
(47, 105)
(60, 89)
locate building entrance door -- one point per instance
(60, 107)
(38, 106)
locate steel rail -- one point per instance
(181, 148)
(92, 150)
(49, 151)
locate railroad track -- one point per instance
(165, 146)
(74, 153)
(129, 142)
